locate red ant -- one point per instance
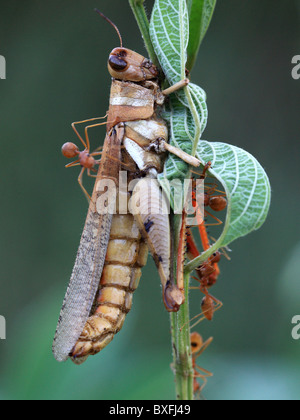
(208, 274)
(197, 348)
(85, 159)
(216, 202)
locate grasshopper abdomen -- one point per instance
(126, 255)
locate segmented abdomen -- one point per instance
(127, 254)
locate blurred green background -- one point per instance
(56, 53)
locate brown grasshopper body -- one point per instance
(112, 248)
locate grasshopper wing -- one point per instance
(91, 254)
(151, 211)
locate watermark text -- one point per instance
(296, 69)
(149, 197)
(296, 329)
(2, 67)
(2, 328)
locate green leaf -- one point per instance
(169, 32)
(189, 5)
(246, 185)
(186, 110)
(247, 189)
(245, 182)
(182, 128)
(201, 12)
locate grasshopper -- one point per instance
(114, 247)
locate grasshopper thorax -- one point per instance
(125, 64)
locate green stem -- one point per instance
(139, 12)
(180, 333)
(183, 368)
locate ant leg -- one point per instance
(75, 163)
(82, 187)
(203, 376)
(204, 236)
(96, 154)
(86, 145)
(201, 317)
(207, 373)
(131, 167)
(203, 347)
(218, 305)
(219, 222)
(86, 132)
(201, 226)
(99, 149)
(90, 174)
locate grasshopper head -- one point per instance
(125, 64)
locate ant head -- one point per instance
(196, 342)
(215, 258)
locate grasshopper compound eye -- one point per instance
(118, 61)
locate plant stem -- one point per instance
(180, 332)
(183, 369)
(180, 321)
(139, 12)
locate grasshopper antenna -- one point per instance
(112, 24)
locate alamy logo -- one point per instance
(2, 328)
(2, 67)
(296, 69)
(296, 329)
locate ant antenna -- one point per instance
(111, 23)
